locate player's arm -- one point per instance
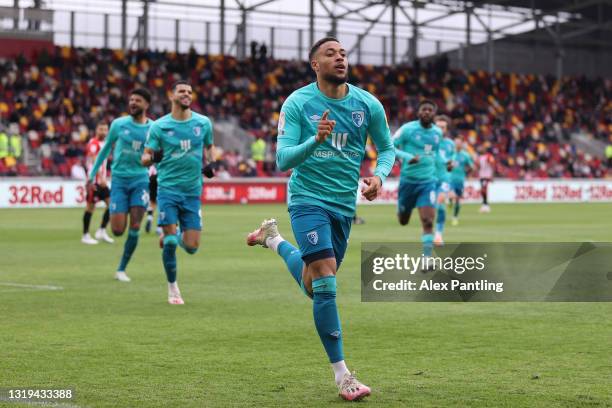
(290, 152)
(209, 154)
(397, 143)
(103, 153)
(440, 161)
(469, 164)
(209, 169)
(152, 151)
(381, 136)
(450, 164)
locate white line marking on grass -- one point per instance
(26, 286)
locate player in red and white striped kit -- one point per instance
(152, 199)
(97, 191)
(486, 171)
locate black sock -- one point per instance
(149, 211)
(105, 219)
(86, 221)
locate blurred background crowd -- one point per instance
(51, 104)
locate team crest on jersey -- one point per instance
(313, 237)
(197, 131)
(358, 118)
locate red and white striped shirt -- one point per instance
(93, 148)
(486, 165)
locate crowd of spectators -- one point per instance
(526, 121)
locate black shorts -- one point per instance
(484, 182)
(97, 194)
(153, 188)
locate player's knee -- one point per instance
(117, 231)
(427, 223)
(170, 241)
(321, 264)
(191, 250)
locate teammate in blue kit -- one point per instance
(446, 155)
(176, 142)
(130, 183)
(417, 145)
(462, 165)
(322, 133)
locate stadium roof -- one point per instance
(394, 29)
(585, 23)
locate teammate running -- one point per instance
(417, 144)
(446, 154)
(462, 165)
(176, 142)
(130, 189)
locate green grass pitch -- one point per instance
(246, 337)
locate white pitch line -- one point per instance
(26, 286)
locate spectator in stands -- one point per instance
(77, 171)
(258, 154)
(15, 146)
(222, 173)
(609, 153)
(4, 146)
(525, 119)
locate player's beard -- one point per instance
(183, 106)
(136, 112)
(335, 79)
(426, 121)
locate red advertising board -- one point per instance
(227, 192)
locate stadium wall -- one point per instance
(57, 193)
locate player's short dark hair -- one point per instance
(103, 122)
(443, 118)
(146, 95)
(427, 102)
(315, 47)
(179, 82)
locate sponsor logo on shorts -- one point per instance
(162, 215)
(313, 237)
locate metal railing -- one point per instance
(104, 30)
